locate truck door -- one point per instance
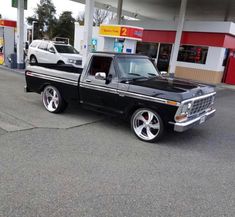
(98, 92)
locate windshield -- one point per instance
(66, 49)
(134, 68)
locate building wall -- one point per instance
(200, 75)
(215, 35)
(211, 72)
(189, 26)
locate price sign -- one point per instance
(14, 4)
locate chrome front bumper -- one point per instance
(180, 127)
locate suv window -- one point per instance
(100, 64)
(66, 49)
(51, 48)
(34, 44)
(43, 45)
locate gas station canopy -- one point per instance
(210, 10)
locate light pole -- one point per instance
(33, 29)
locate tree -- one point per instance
(81, 19)
(100, 16)
(65, 26)
(45, 18)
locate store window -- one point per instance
(192, 54)
(148, 49)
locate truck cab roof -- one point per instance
(105, 53)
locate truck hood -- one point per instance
(168, 88)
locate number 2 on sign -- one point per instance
(124, 32)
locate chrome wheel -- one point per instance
(147, 125)
(51, 98)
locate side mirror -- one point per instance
(100, 76)
(163, 73)
(51, 50)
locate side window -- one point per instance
(34, 44)
(43, 45)
(51, 48)
(100, 64)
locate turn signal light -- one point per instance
(182, 117)
(169, 102)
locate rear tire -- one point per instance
(52, 100)
(147, 125)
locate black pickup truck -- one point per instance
(125, 85)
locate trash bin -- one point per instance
(12, 59)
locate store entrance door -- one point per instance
(164, 57)
(229, 77)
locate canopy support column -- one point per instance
(176, 46)
(20, 35)
(119, 12)
(88, 26)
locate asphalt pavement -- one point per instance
(82, 163)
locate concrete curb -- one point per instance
(18, 71)
(225, 86)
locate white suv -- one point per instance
(42, 51)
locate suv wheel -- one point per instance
(147, 125)
(52, 100)
(33, 60)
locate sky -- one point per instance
(61, 5)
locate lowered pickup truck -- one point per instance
(125, 85)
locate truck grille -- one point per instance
(201, 105)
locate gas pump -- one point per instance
(120, 38)
(1, 46)
(7, 40)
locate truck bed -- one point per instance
(56, 73)
(65, 78)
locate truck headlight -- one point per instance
(72, 61)
(186, 108)
(183, 112)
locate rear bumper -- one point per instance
(181, 127)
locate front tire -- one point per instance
(147, 125)
(52, 100)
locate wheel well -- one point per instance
(42, 87)
(32, 55)
(60, 62)
(160, 111)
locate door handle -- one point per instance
(88, 80)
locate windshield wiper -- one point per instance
(139, 78)
(152, 74)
